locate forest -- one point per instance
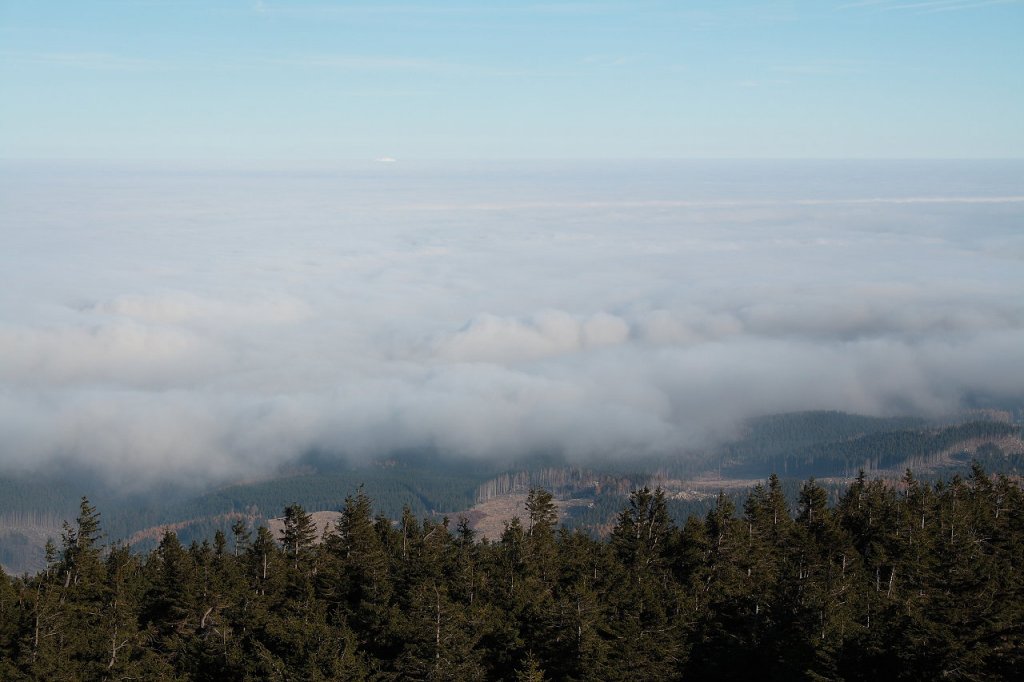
(824, 444)
(897, 580)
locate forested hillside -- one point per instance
(897, 581)
(424, 488)
(830, 445)
(893, 448)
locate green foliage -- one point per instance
(906, 581)
(810, 453)
(799, 445)
(299, 535)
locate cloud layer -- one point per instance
(204, 324)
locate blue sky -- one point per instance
(271, 80)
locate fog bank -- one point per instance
(198, 323)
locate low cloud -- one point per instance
(124, 352)
(186, 307)
(490, 338)
(205, 327)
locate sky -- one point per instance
(245, 81)
(205, 325)
(237, 231)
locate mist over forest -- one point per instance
(186, 323)
(454, 340)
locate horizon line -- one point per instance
(391, 160)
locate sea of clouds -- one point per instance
(203, 324)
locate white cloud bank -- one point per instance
(210, 324)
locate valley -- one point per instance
(830, 446)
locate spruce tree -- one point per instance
(10, 614)
(299, 534)
(643, 599)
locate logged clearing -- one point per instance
(488, 518)
(324, 521)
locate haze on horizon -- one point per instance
(216, 324)
(194, 301)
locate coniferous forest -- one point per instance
(897, 581)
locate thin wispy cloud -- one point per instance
(925, 6)
(103, 61)
(764, 83)
(752, 203)
(266, 8)
(826, 67)
(971, 5)
(92, 61)
(608, 60)
(345, 62)
(385, 64)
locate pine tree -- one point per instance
(171, 606)
(299, 534)
(264, 559)
(899, 581)
(355, 580)
(643, 600)
(576, 648)
(9, 616)
(541, 628)
(220, 542)
(81, 553)
(643, 531)
(465, 580)
(40, 649)
(541, 511)
(827, 569)
(513, 556)
(530, 670)
(126, 589)
(78, 645)
(726, 640)
(242, 536)
(440, 638)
